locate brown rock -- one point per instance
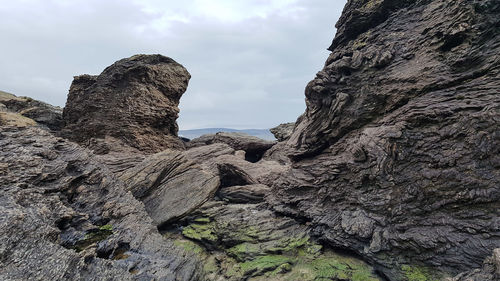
(397, 156)
(132, 102)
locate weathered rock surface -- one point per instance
(283, 131)
(254, 147)
(396, 161)
(65, 217)
(170, 185)
(132, 103)
(46, 115)
(249, 242)
(489, 271)
(397, 156)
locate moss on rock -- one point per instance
(93, 236)
(200, 232)
(418, 273)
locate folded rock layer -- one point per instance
(397, 157)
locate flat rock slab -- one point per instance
(170, 185)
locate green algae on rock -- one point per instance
(93, 236)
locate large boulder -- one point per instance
(133, 103)
(397, 157)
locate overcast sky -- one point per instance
(250, 60)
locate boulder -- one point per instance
(132, 103)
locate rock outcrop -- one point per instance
(253, 147)
(283, 131)
(397, 157)
(170, 185)
(132, 103)
(66, 217)
(392, 173)
(20, 110)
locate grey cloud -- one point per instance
(249, 73)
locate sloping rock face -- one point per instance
(133, 103)
(397, 157)
(46, 115)
(66, 217)
(170, 185)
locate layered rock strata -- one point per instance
(397, 157)
(131, 105)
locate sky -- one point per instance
(250, 60)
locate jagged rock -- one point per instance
(251, 193)
(66, 217)
(283, 131)
(170, 185)
(133, 103)
(489, 271)
(249, 242)
(44, 114)
(254, 147)
(397, 156)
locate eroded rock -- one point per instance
(170, 185)
(132, 103)
(66, 217)
(283, 131)
(45, 115)
(397, 154)
(254, 147)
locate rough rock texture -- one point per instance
(170, 185)
(283, 131)
(489, 271)
(131, 103)
(254, 147)
(65, 217)
(46, 115)
(397, 157)
(249, 242)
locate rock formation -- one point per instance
(397, 157)
(132, 103)
(65, 217)
(253, 147)
(28, 110)
(283, 131)
(392, 173)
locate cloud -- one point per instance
(250, 60)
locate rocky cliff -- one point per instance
(392, 173)
(397, 157)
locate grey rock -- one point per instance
(170, 185)
(283, 131)
(66, 217)
(489, 271)
(253, 146)
(251, 193)
(397, 155)
(132, 103)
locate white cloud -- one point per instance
(250, 60)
